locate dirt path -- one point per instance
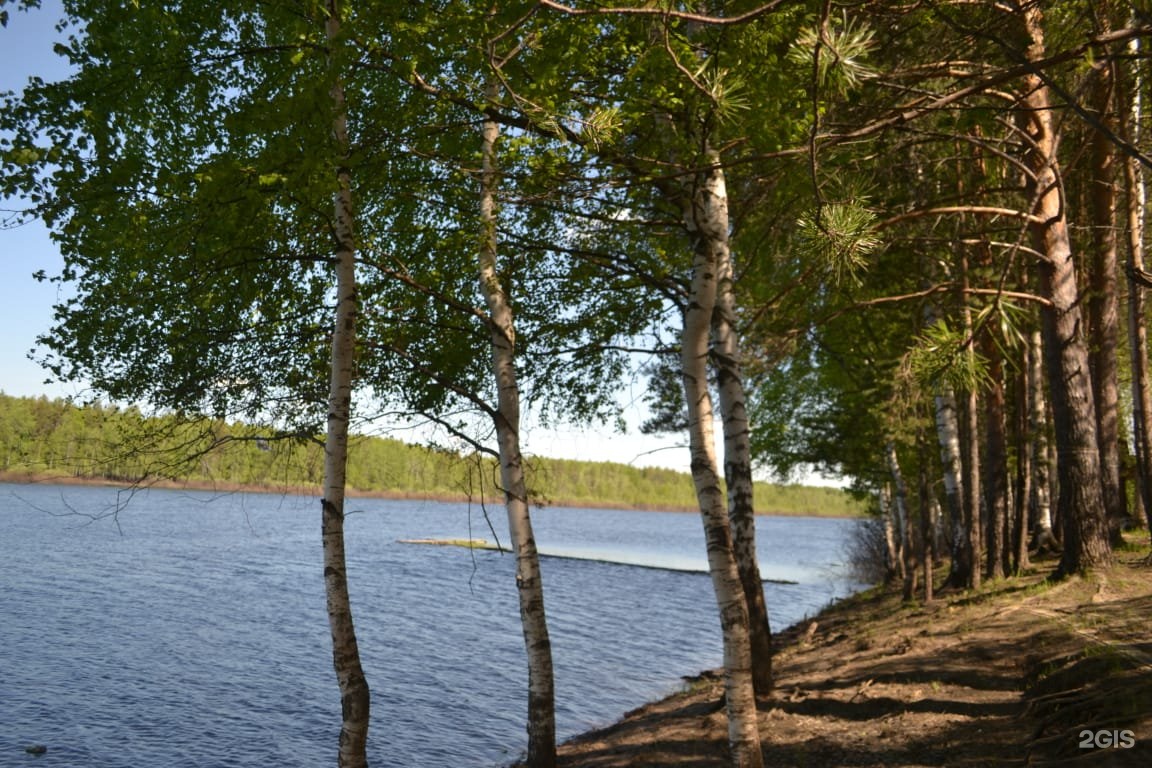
(1025, 673)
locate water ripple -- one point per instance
(197, 637)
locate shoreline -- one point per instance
(1013, 674)
(32, 478)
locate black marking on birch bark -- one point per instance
(330, 509)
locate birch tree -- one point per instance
(1041, 501)
(551, 314)
(708, 109)
(529, 585)
(197, 236)
(675, 132)
(709, 222)
(948, 436)
(354, 693)
(903, 528)
(738, 471)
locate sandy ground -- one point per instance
(1023, 673)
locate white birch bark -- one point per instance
(948, 436)
(1042, 534)
(947, 420)
(541, 687)
(354, 693)
(900, 514)
(708, 226)
(738, 467)
(939, 534)
(892, 559)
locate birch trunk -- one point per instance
(1081, 500)
(939, 532)
(738, 471)
(708, 226)
(903, 529)
(893, 562)
(541, 686)
(948, 435)
(1044, 538)
(354, 693)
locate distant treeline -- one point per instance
(54, 439)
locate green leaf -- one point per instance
(271, 180)
(22, 156)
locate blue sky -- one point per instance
(25, 304)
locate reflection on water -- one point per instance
(195, 635)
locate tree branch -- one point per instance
(665, 12)
(984, 210)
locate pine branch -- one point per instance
(665, 12)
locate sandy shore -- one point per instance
(1022, 673)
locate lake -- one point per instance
(188, 629)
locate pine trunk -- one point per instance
(924, 495)
(995, 464)
(1023, 495)
(1081, 499)
(738, 470)
(541, 685)
(1137, 329)
(708, 226)
(970, 456)
(1103, 306)
(354, 693)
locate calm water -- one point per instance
(190, 630)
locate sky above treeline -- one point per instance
(26, 305)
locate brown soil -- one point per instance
(1019, 674)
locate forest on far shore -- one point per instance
(54, 439)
